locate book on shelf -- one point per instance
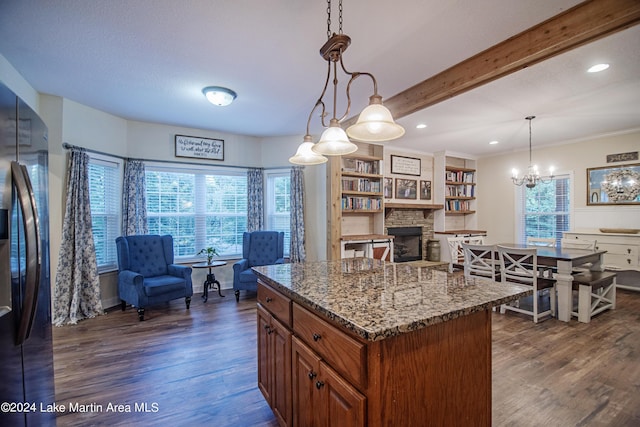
(361, 203)
(361, 184)
(361, 166)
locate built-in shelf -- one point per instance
(424, 207)
(460, 212)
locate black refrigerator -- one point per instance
(26, 350)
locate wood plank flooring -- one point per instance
(198, 368)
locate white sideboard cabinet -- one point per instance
(623, 251)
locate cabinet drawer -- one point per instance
(276, 303)
(619, 255)
(345, 354)
(620, 261)
(617, 249)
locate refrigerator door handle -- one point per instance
(26, 198)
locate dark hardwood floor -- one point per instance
(198, 368)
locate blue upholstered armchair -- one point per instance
(147, 274)
(258, 248)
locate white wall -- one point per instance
(14, 81)
(154, 141)
(496, 192)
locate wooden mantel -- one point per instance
(424, 207)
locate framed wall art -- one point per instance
(406, 188)
(425, 190)
(405, 165)
(199, 148)
(388, 188)
(614, 185)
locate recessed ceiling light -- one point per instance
(597, 68)
(421, 126)
(493, 142)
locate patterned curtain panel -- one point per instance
(77, 288)
(255, 202)
(297, 253)
(134, 201)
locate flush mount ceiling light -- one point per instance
(374, 124)
(597, 68)
(220, 96)
(532, 177)
(421, 126)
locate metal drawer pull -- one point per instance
(319, 385)
(269, 299)
(316, 337)
(312, 375)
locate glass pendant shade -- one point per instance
(375, 124)
(305, 155)
(334, 141)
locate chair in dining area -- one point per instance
(520, 266)
(481, 260)
(456, 252)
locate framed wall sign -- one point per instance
(199, 148)
(614, 185)
(405, 165)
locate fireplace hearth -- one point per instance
(407, 245)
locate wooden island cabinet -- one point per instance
(361, 342)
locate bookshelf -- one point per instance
(356, 204)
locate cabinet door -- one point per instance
(343, 405)
(280, 344)
(306, 365)
(264, 358)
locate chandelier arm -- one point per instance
(361, 73)
(348, 91)
(319, 101)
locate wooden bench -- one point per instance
(596, 293)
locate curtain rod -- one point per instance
(68, 146)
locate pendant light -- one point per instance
(532, 177)
(375, 123)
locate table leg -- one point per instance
(219, 290)
(563, 285)
(205, 293)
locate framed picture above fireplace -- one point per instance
(425, 190)
(406, 188)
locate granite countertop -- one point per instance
(377, 299)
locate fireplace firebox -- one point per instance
(407, 244)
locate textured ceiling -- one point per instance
(148, 60)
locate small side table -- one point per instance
(211, 278)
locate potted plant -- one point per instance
(209, 252)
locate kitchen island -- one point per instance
(363, 342)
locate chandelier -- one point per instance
(532, 177)
(374, 124)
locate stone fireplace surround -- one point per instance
(412, 218)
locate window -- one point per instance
(105, 189)
(198, 208)
(545, 209)
(278, 206)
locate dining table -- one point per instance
(564, 260)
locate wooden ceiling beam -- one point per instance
(582, 24)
